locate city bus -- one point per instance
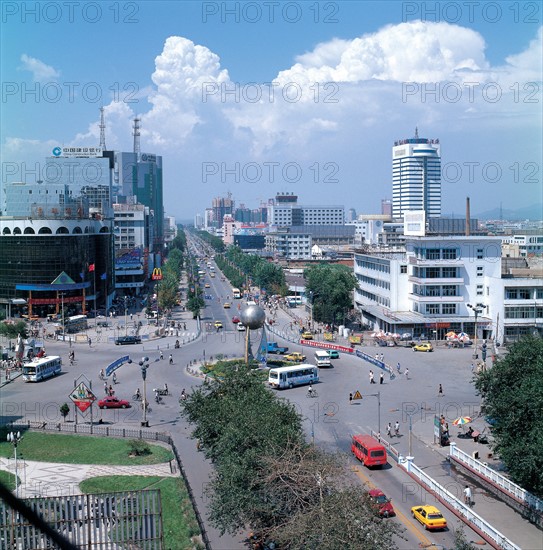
(76, 323)
(288, 377)
(236, 293)
(42, 368)
(368, 450)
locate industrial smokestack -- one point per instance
(468, 215)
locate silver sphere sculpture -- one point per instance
(252, 317)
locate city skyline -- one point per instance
(317, 114)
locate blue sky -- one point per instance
(373, 65)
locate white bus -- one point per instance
(76, 323)
(287, 377)
(322, 358)
(43, 368)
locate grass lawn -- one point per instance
(75, 449)
(7, 479)
(179, 521)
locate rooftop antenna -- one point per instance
(136, 134)
(102, 130)
(501, 211)
(416, 132)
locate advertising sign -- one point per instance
(157, 274)
(82, 397)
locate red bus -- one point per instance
(368, 450)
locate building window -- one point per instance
(480, 270)
(480, 290)
(449, 309)
(432, 272)
(480, 253)
(403, 269)
(524, 293)
(450, 253)
(449, 290)
(432, 309)
(539, 293)
(449, 273)
(432, 291)
(433, 254)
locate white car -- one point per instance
(241, 326)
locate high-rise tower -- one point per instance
(416, 176)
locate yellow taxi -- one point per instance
(429, 517)
(307, 335)
(226, 305)
(218, 324)
(295, 356)
(426, 346)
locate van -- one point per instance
(368, 450)
(322, 358)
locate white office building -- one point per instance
(416, 176)
(286, 215)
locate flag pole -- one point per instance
(94, 282)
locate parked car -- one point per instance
(381, 503)
(112, 402)
(103, 323)
(123, 340)
(426, 346)
(333, 353)
(429, 517)
(295, 356)
(307, 335)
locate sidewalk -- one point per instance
(432, 458)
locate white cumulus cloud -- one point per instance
(41, 72)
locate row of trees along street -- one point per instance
(512, 391)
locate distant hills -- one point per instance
(533, 212)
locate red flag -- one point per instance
(91, 267)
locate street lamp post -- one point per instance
(378, 395)
(144, 365)
(477, 310)
(14, 439)
(125, 318)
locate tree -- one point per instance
(64, 410)
(12, 330)
(330, 289)
(513, 397)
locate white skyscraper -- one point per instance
(416, 176)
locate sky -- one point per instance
(256, 98)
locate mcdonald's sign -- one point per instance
(157, 274)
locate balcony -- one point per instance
(432, 281)
(435, 299)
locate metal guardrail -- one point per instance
(450, 500)
(110, 431)
(506, 485)
(376, 362)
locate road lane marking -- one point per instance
(405, 520)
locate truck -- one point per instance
(273, 347)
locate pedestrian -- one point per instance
(105, 387)
(472, 367)
(398, 368)
(389, 430)
(111, 390)
(381, 377)
(372, 381)
(467, 496)
(377, 356)
(382, 357)
(440, 391)
(171, 359)
(350, 399)
(397, 429)
(90, 342)
(407, 373)
(184, 326)
(161, 355)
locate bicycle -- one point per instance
(312, 393)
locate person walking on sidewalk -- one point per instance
(372, 381)
(381, 378)
(389, 430)
(467, 496)
(161, 355)
(440, 391)
(406, 373)
(397, 429)
(171, 359)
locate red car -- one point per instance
(382, 504)
(113, 402)
(235, 320)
